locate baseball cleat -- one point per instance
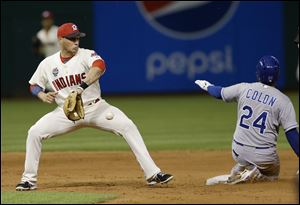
(25, 186)
(222, 179)
(246, 176)
(161, 178)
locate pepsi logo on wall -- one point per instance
(164, 46)
(187, 20)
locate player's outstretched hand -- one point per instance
(47, 97)
(203, 84)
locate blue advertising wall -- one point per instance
(165, 48)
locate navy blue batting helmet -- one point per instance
(267, 70)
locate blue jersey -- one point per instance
(261, 111)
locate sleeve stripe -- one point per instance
(291, 127)
(100, 64)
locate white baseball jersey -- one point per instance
(61, 77)
(49, 40)
(261, 110)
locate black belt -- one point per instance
(251, 146)
(94, 101)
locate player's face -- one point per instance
(70, 45)
(47, 23)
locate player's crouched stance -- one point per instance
(261, 110)
(73, 73)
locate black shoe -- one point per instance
(161, 178)
(25, 186)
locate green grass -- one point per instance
(53, 198)
(174, 122)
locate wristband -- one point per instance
(35, 89)
(84, 85)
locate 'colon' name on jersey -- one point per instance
(260, 97)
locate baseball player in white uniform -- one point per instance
(261, 110)
(48, 35)
(78, 69)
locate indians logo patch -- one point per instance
(55, 72)
(94, 54)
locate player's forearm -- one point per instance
(35, 89)
(48, 97)
(215, 91)
(293, 139)
(93, 75)
(42, 96)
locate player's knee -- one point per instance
(123, 127)
(128, 125)
(33, 133)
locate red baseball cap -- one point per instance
(47, 14)
(69, 30)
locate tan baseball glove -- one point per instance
(73, 107)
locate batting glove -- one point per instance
(203, 84)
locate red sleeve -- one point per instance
(100, 64)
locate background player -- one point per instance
(45, 42)
(79, 69)
(261, 110)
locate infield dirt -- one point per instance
(119, 173)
